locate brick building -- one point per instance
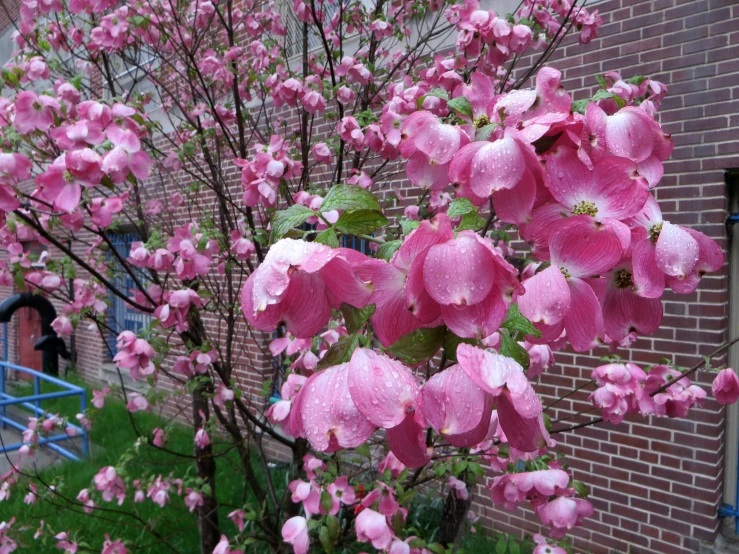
(656, 483)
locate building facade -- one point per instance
(656, 483)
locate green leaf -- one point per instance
(360, 222)
(326, 501)
(348, 198)
(328, 237)
(637, 80)
(438, 93)
(502, 545)
(581, 488)
(323, 536)
(451, 342)
(418, 346)
(461, 105)
(408, 225)
(285, 220)
(459, 467)
(476, 469)
(605, 95)
(515, 321)
(364, 451)
(601, 81)
(386, 251)
(440, 469)
(460, 206)
(580, 106)
(513, 548)
(355, 318)
(332, 524)
(436, 548)
(471, 221)
(510, 348)
(340, 352)
(483, 133)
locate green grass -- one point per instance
(113, 435)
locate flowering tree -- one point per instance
(403, 367)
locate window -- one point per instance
(121, 316)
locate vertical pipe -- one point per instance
(2, 389)
(37, 391)
(85, 437)
(5, 342)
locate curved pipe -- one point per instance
(50, 344)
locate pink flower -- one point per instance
(223, 547)
(299, 283)
(459, 488)
(391, 462)
(63, 326)
(562, 514)
(322, 153)
(64, 180)
(137, 403)
(110, 484)
(134, 354)
(725, 386)
(295, 532)
(238, 518)
(63, 543)
(309, 493)
(98, 397)
(518, 406)
(34, 112)
(543, 546)
(341, 493)
(372, 527)
(113, 547)
(193, 499)
(202, 439)
(311, 464)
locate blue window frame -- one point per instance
(121, 316)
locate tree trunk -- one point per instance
(208, 526)
(455, 512)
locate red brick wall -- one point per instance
(656, 483)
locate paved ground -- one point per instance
(44, 456)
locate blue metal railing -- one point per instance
(33, 403)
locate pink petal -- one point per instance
(617, 188)
(459, 271)
(652, 170)
(417, 299)
(456, 407)
(68, 197)
(327, 413)
(439, 142)
(304, 308)
(382, 389)
(427, 234)
(515, 205)
(408, 442)
(537, 233)
(426, 175)
(295, 532)
(479, 320)
(524, 434)
(547, 297)
(391, 319)
(496, 166)
(584, 321)
(140, 164)
(629, 134)
(677, 251)
(584, 247)
(624, 312)
(487, 370)
(649, 281)
(342, 283)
